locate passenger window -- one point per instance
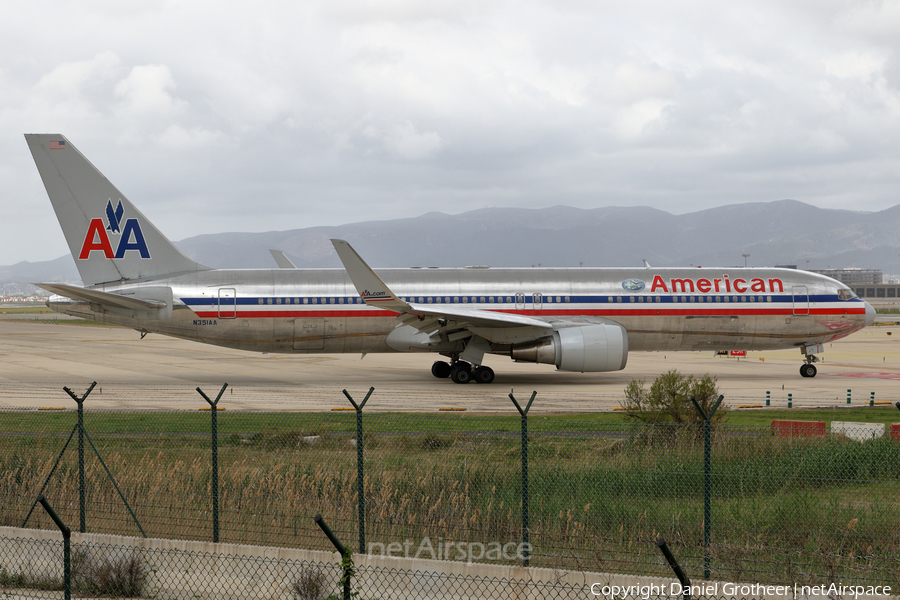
(567, 298)
(260, 300)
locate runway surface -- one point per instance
(38, 359)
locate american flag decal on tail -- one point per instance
(60, 145)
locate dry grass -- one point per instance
(597, 503)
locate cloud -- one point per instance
(146, 91)
(405, 141)
(366, 110)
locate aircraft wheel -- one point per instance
(461, 372)
(483, 375)
(808, 370)
(441, 369)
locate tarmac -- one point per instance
(159, 373)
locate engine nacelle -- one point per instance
(592, 348)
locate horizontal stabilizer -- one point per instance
(103, 298)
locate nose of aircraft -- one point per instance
(870, 313)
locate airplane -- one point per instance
(578, 319)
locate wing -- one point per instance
(459, 323)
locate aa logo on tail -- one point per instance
(129, 233)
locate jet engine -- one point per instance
(589, 348)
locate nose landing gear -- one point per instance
(808, 369)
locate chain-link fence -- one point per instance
(784, 504)
(34, 569)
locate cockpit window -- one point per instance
(846, 294)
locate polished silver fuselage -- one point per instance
(319, 311)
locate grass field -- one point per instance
(27, 310)
(153, 422)
(600, 491)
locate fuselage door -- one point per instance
(227, 303)
(538, 299)
(520, 301)
(801, 299)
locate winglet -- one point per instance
(283, 261)
(371, 289)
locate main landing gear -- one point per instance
(462, 372)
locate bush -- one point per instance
(669, 399)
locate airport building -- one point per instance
(853, 276)
(887, 291)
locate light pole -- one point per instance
(746, 256)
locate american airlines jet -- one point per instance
(578, 319)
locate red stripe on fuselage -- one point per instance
(646, 312)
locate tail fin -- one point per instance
(109, 238)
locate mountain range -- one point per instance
(773, 233)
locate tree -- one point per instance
(669, 399)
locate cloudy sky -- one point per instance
(235, 116)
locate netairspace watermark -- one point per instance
(453, 550)
(747, 590)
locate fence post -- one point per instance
(81, 493)
(707, 477)
(214, 410)
(676, 568)
(360, 469)
(526, 549)
(346, 557)
(67, 546)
